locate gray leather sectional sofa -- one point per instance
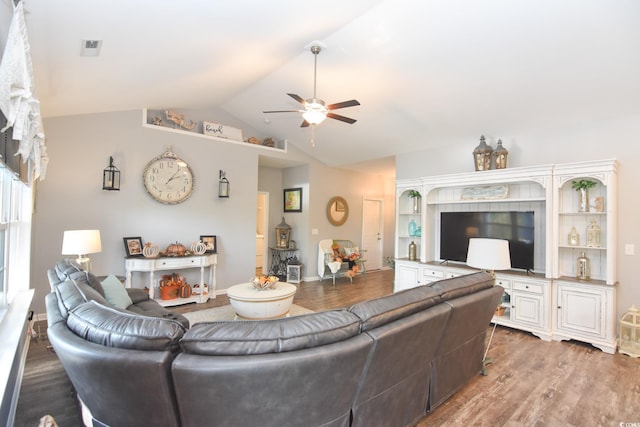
(383, 362)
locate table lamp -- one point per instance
(81, 243)
(489, 254)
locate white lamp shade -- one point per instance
(489, 254)
(81, 242)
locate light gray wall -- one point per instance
(607, 139)
(71, 196)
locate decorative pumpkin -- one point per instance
(198, 247)
(176, 249)
(150, 250)
(185, 290)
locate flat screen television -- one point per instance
(456, 228)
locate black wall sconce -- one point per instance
(223, 186)
(111, 177)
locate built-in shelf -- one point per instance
(595, 248)
(476, 201)
(146, 123)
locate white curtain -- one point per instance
(17, 96)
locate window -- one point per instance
(15, 234)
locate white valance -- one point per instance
(17, 95)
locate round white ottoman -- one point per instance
(250, 303)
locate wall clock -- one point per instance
(168, 179)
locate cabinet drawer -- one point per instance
(432, 274)
(166, 263)
(506, 284)
(527, 287)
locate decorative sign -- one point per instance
(222, 131)
(486, 192)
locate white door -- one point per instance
(372, 222)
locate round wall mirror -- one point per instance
(337, 210)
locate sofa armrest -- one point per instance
(137, 295)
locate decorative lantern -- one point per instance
(593, 235)
(482, 155)
(574, 237)
(629, 341)
(223, 186)
(111, 177)
(500, 156)
(283, 234)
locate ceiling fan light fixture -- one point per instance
(315, 112)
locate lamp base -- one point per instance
(84, 263)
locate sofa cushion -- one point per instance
(112, 327)
(72, 293)
(462, 285)
(270, 336)
(115, 292)
(151, 308)
(64, 268)
(89, 279)
(380, 311)
(69, 269)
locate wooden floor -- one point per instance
(530, 383)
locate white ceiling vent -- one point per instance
(91, 47)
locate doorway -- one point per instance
(262, 236)
(372, 232)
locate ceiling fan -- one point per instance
(315, 110)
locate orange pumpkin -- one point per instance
(176, 249)
(185, 290)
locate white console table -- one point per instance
(151, 265)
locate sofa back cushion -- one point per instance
(68, 269)
(462, 285)
(72, 293)
(380, 311)
(112, 327)
(270, 336)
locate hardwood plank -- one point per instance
(530, 383)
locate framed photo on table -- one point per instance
(133, 246)
(211, 242)
(293, 199)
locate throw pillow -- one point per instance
(115, 293)
(352, 251)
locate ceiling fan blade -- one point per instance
(297, 98)
(304, 124)
(284, 111)
(344, 104)
(341, 118)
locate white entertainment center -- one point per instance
(548, 301)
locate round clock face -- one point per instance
(168, 179)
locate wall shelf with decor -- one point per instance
(148, 117)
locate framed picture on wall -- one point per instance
(293, 200)
(133, 246)
(211, 243)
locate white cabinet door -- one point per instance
(527, 309)
(407, 276)
(580, 310)
(586, 312)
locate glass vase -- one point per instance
(416, 205)
(583, 200)
(412, 228)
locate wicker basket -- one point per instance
(169, 292)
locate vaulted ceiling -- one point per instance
(426, 72)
